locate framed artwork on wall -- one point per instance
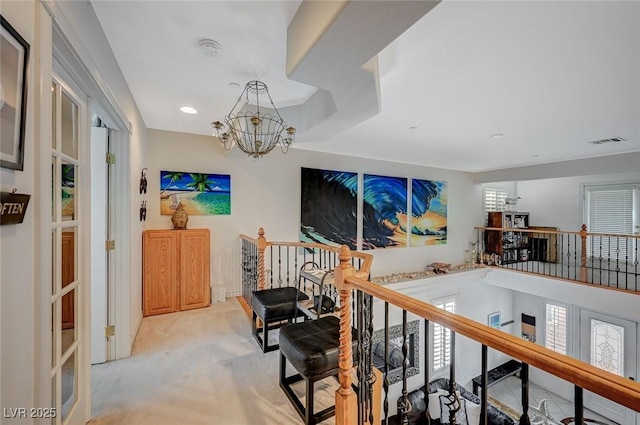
(384, 223)
(528, 327)
(14, 57)
(328, 207)
(428, 212)
(199, 193)
(494, 320)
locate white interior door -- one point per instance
(70, 228)
(99, 217)
(609, 343)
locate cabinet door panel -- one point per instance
(160, 272)
(195, 291)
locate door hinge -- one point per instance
(110, 245)
(109, 331)
(110, 158)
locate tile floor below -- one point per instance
(508, 392)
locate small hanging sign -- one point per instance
(13, 207)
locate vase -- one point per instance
(180, 218)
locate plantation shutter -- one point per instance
(556, 328)
(494, 200)
(442, 336)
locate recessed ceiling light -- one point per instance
(535, 155)
(189, 110)
(496, 135)
(413, 127)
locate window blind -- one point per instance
(610, 211)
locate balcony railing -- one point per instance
(363, 393)
(608, 260)
(271, 264)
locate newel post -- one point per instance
(262, 246)
(583, 253)
(346, 406)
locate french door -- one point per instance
(609, 343)
(69, 378)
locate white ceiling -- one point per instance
(550, 76)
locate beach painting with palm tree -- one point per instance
(199, 193)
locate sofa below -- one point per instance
(417, 414)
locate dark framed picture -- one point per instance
(14, 56)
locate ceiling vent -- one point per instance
(210, 48)
(611, 140)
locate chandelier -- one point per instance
(255, 133)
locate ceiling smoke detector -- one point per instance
(611, 140)
(210, 48)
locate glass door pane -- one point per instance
(69, 126)
(69, 385)
(68, 192)
(607, 346)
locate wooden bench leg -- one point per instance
(309, 418)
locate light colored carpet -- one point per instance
(197, 367)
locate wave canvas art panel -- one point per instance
(199, 193)
(384, 222)
(428, 212)
(328, 207)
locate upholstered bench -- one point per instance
(273, 306)
(312, 349)
(497, 374)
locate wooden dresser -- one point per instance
(175, 270)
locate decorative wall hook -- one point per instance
(143, 181)
(143, 210)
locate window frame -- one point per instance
(568, 325)
(500, 196)
(450, 299)
(634, 228)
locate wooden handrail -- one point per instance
(248, 238)
(618, 389)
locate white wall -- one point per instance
(267, 193)
(17, 249)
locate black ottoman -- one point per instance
(312, 349)
(274, 305)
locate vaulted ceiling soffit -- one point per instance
(333, 45)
